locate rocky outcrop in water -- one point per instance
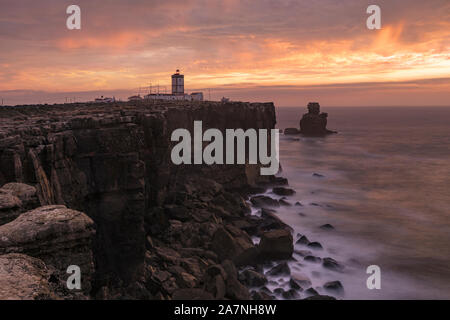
(314, 123)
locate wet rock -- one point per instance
(264, 202)
(252, 278)
(303, 253)
(315, 245)
(312, 259)
(289, 131)
(303, 240)
(334, 286)
(294, 285)
(318, 175)
(282, 191)
(280, 270)
(298, 204)
(271, 221)
(23, 278)
(278, 291)
(326, 226)
(311, 291)
(285, 203)
(332, 264)
(276, 245)
(300, 279)
(290, 294)
(192, 294)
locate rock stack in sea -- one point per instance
(313, 123)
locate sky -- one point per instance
(286, 51)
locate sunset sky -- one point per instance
(289, 52)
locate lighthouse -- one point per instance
(177, 84)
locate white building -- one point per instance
(105, 100)
(177, 91)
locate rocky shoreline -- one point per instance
(93, 186)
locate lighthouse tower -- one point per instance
(177, 84)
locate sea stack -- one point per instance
(314, 123)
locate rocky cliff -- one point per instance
(158, 226)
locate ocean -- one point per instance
(383, 183)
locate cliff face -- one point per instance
(113, 163)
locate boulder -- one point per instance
(312, 259)
(334, 286)
(302, 240)
(264, 202)
(270, 221)
(326, 226)
(300, 279)
(332, 264)
(289, 131)
(238, 247)
(276, 244)
(315, 245)
(281, 269)
(55, 234)
(283, 191)
(234, 288)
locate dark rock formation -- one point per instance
(280, 270)
(264, 202)
(334, 286)
(276, 244)
(282, 191)
(289, 131)
(112, 161)
(332, 264)
(314, 123)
